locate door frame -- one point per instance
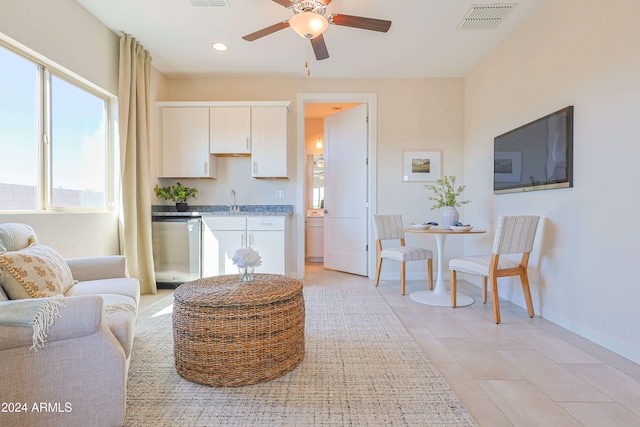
(371, 99)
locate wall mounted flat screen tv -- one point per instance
(535, 156)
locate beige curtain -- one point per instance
(135, 222)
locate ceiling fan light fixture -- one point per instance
(308, 24)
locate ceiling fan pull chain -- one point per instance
(306, 62)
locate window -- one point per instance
(19, 130)
(54, 139)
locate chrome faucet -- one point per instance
(234, 207)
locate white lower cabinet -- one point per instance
(315, 239)
(223, 235)
(265, 234)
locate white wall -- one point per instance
(65, 33)
(74, 235)
(582, 53)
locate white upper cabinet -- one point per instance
(230, 130)
(185, 143)
(269, 142)
(194, 133)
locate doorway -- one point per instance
(335, 135)
(302, 196)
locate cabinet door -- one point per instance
(221, 238)
(315, 239)
(267, 236)
(185, 143)
(228, 242)
(270, 246)
(230, 130)
(269, 142)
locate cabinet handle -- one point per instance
(250, 239)
(206, 169)
(247, 143)
(242, 240)
(255, 167)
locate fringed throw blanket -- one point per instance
(39, 313)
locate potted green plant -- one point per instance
(446, 197)
(178, 193)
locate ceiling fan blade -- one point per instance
(319, 47)
(325, 2)
(266, 31)
(285, 3)
(360, 22)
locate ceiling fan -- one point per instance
(309, 21)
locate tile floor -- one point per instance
(523, 372)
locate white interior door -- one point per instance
(345, 202)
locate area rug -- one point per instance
(361, 368)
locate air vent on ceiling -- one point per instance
(213, 3)
(485, 16)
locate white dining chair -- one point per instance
(514, 235)
(389, 227)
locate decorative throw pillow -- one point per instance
(36, 271)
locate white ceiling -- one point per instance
(422, 42)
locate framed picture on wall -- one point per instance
(421, 166)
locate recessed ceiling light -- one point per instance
(221, 47)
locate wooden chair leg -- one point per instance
(527, 292)
(494, 298)
(430, 270)
(454, 285)
(484, 289)
(377, 279)
(403, 277)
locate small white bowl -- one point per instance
(461, 227)
(421, 226)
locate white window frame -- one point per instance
(44, 193)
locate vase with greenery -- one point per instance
(446, 196)
(178, 193)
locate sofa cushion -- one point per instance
(36, 271)
(4, 235)
(98, 267)
(15, 236)
(120, 286)
(6, 239)
(120, 313)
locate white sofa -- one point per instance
(75, 372)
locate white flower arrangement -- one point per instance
(246, 257)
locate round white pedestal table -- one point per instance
(440, 296)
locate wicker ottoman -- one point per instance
(228, 333)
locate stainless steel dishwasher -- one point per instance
(177, 248)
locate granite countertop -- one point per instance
(223, 210)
